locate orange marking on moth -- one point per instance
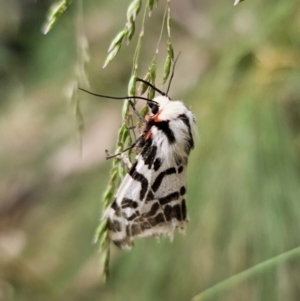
(148, 135)
(156, 118)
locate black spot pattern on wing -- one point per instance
(168, 212)
(148, 153)
(116, 207)
(161, 176)
(155, 207)
(114, 225)
(150, 196)
(150, 156)
(190, 142)
(182, 190)
(176, 212)
(140, 178)
(173, 212)
(126, 202)
(164, 127)
(169, 198)
(114, 204)
(145, 226)
(183, 209)
(133, 216)
(159, 218)
(135, 229)
(128, 231)
(157, 164)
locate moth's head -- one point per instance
(163, 108)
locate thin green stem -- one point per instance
(135, 63)
(238, 278)
(80, 73)
(139, 44)
(161, 30)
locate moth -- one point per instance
(151, 199)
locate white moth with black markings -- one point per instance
(151, 200)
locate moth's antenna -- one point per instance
(172, 75)
(142, 118)
(152, 86)
(116, 97)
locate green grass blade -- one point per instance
(236, 279)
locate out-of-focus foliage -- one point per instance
(236, 2)
(240, 72)
(55, 12)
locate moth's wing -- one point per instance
(164, 207)
(127, 204)
(150, 201)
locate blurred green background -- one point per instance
(239, 71)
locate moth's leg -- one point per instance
(136, 112)
(120, 156)
(126, 160)
(109, 156)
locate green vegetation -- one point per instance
(239, 71)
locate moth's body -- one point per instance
(151, 198)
